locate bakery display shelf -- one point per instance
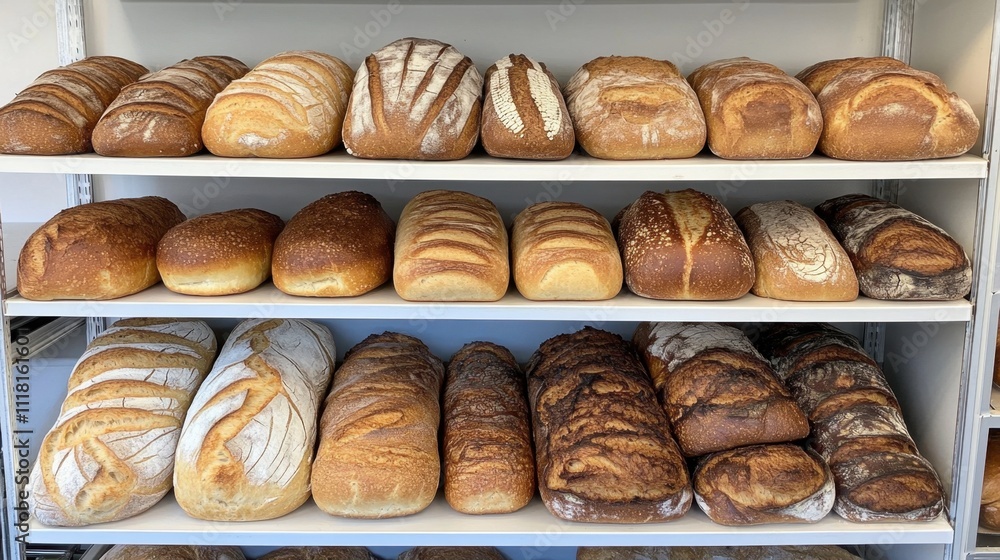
(383, 303)
(166, 523)
(480, 167)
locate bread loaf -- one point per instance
(632, 107)
(683, 245)
(218, 254)
(796, 257)
(714, 553)
(883, 110)
(989, 501)
(897, 254)
(564, 251)
(717, 390)
(603, 447)
(340, 245)
(292, 105)
(162, 114)
(996, 361)
(764, 484)
(101, 250)
(414, 99)
(489, 465)
(756, 111)
(162, 552)
(247, 444)
(378, 451)
(452, 246)
(320, 553)
(56, 114)
(110, 455)
(524, 113)
(452, 553)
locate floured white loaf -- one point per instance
(414, 99)
(166, 552)
(524, 113)
(247, 445)
(292, 105)
(110, 455)
(632, 107)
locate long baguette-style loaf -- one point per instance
(180, 552)
(110, 455)
(101, 250)
(292, 105)
(162, 114)
(247, 444)
(378, 450)
(57, 113)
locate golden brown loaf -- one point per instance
(564, 251)
(603, 447)
(162, 114)
(796, 257)
(340, 245)
(718, 392)
(101, 250)
(632, 107)
(489, 464)
(989, 509)
(378, 451)
(220, 253)
(524, 113)
(897, 254)
(452, 553)
(451, 246)
(247, 444)
(182, 552)
(714, 553)
(764, 484)
(57, 112)
(414, 99)
(756, 111)
(683, 245)
(319, 553)
(291, 105)
(110, 455)
(883, 110)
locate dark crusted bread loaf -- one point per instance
(183, 552)
(320, 553)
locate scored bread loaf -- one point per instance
(110, 454)
(883, 110)
(247, 444)
(989, 502)
(162, 114)
(56, 114)
(292, 105)
(714, 553)
(764, 484)
(451, 553)
(603, 447)
(564, 251)
(340, 245)
(683, 245)
(101, 250)
(378, 450)
(754, 110)
(716, 389)
(320, 553)
(489, 464)
(179, 552)
(897, 254)
(633, 107)
(414, 99)
(796, 257)
(524, 113)
(218, 254)
(451, 246)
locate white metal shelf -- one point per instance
(480, 167)
(383, 303)
(166, 523)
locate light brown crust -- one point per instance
(339, 245)
(683, 245)
(320, 553)
(989, 510)
(565, 251)
(378, 451)
(220, 253)
(714, 553)
(101, 250)
(162, 114)
(489, 464)
(180, 552)
(817, 76)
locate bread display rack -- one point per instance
(936, 354)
